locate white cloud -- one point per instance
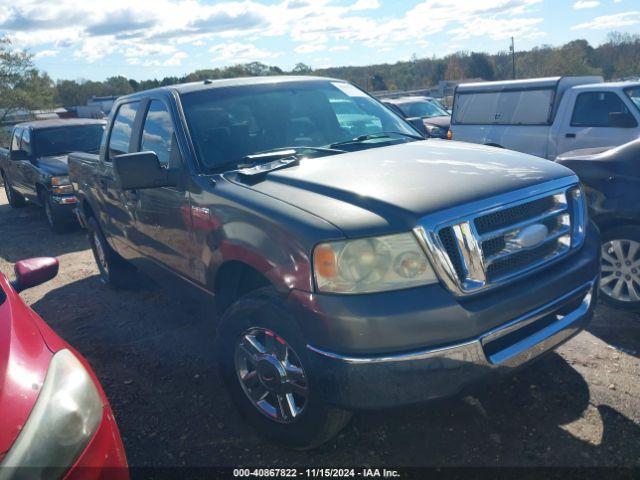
(153, 31)
(240, 52)
(46, 53)
(582, 4)
(610, 21)
(310, 48)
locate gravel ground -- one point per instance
(579, 406)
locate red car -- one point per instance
(55, 420)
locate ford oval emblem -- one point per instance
(530, 236)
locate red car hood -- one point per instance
(24, 359)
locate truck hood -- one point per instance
(388, 189)
(54, 165)
(24, 360)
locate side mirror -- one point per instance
(136, 171)
(34, 271)
(18, 155)
(622, 120)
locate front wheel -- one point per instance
(263, 360)
(14, 198)
(54, 221)
(620, 279)
(114, 270)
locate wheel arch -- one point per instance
(232, 280)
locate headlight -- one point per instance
(65, 417)
(580, 215)
(61, 185)
(371, 265)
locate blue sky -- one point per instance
(144, 39)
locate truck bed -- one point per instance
(82, 166)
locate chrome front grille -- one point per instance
(506, 237)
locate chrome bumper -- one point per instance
(396, 379)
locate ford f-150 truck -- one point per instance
(352, 269)
(34, 168)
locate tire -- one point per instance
(114, 270)
(56, 224)
(255, 314)
(620, 280)
(14, 198)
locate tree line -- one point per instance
(22, 86)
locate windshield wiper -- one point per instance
(372, 136)
(276, 158)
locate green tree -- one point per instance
(17, 79)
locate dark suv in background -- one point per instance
(424, 113)
(34, 167)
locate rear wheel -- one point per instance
(14, 198)
(114, 270)
(620, 278)
(263, 359)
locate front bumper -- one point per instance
(398, 379)
(395, 348)
(104, 457)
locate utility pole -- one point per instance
(513, 59)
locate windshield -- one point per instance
(228, 124)
(61, 140)
(423, 108)
(634, 94)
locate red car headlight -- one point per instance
(67, 413)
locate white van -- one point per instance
(547, 116)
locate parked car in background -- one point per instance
(422, 112)
(56, 421)
(611, 178)
(34, 167)
(351, 269)
(547, 116)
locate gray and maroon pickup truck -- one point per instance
(354, 264)
(33, 167)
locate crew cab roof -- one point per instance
(59, 122)
(183, 88)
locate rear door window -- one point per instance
(120, 137)
(593, 109)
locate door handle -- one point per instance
(570, 135)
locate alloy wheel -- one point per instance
(621, 270)
(271, 375)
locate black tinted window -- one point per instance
(61, 140)
(158, 132)
(227, 124)
(592, 109)
(122, 129)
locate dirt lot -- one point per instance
(577, 407)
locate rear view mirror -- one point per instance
(141, 170)
(34, 271)
(19, 155)
(622, 120)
